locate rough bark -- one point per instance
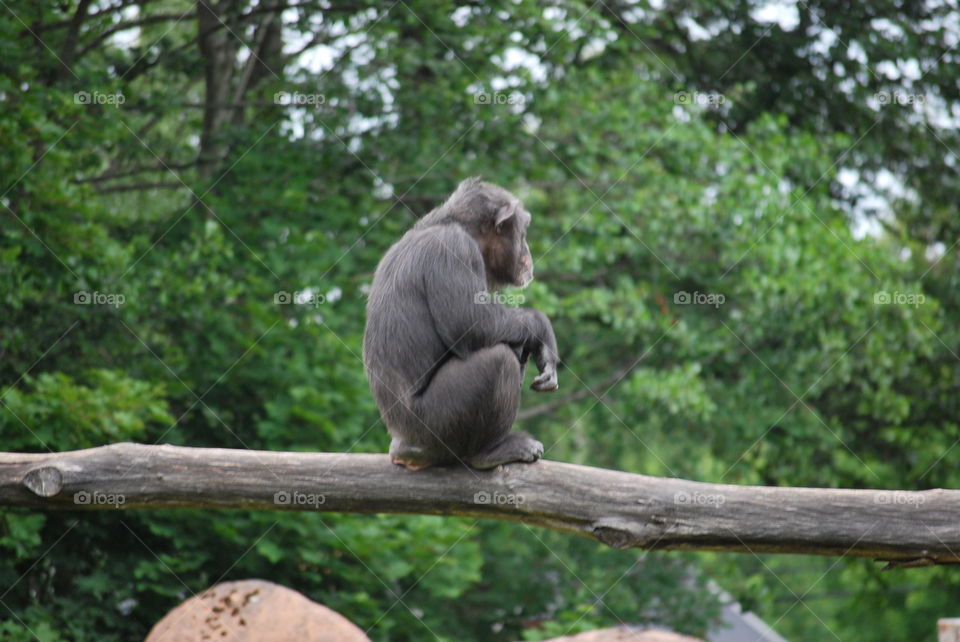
(218, 49)
(905, 528)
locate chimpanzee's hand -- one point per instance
(546, 359)
(546, 381)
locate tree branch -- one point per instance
(47, 26)
(137, 187)
(904, 528)
(139, 22)
(256, 51)
(69, 47)
(118, 172)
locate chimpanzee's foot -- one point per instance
(412, 457)
(517, 446)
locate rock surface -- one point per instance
(253, 611)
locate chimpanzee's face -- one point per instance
(524, 266)
(505, 250)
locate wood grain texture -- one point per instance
(904, 528)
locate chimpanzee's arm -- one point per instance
(464, 314)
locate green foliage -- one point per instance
(699, 261)
(106, 407)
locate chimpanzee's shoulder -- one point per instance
(443, 239)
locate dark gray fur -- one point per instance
(446, 367)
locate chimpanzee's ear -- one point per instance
(504, 214)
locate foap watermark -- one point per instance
(499, 98)
(82, 297)
(99, 98)
(683, 498)
(297, 498)
(496, 498)
(96, 498)
(298, 99)
(883, 297)
(898, 98)
(899, 498)
(513, 299)
(699, 298)
(300, 297)
(700, 98)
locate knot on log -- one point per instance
(45, 482)
(615, 536)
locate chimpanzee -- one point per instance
(444, 357)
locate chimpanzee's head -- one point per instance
(496, 219)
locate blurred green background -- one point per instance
(747, 209)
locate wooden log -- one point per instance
(903, 528)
